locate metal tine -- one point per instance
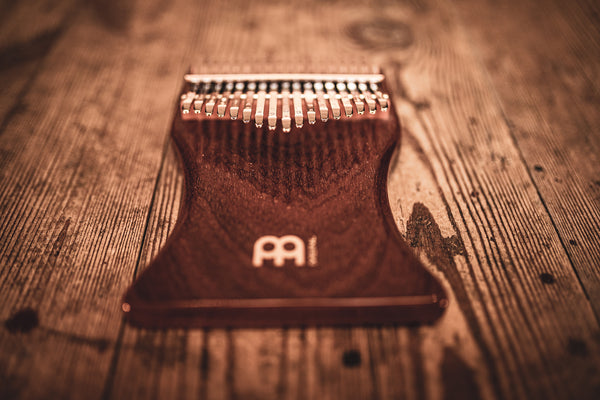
(273, 94)
(260, 104)
(224, 98)
(235, 95)
(188, 99)
(341, 87)
(368, 96)
(333, 100)
(235, 100)
(201, 98)
(309, 98)
(248, 100)
(382, 98)
(297, 99)
(210, 104)
(354, 95)
(323, 110)
(286, 121)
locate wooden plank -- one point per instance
(548, 86)
(500, 219)
(44, 16)
(23, 47)
(465, 198)
(78, 172)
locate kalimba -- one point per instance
(285, 218)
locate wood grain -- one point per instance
(74, 191)
(24, 47)
(90, 190)
(550, 97)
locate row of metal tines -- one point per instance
(264, 98)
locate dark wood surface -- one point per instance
(325, 182)
(496, 188)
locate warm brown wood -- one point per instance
(550, 95)
(72, 219)
(464, 190)
(324, 183)
(25, 46)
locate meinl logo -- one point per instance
(280, 249)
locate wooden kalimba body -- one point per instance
(285, 220)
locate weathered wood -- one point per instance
(463, 190)
(23, 47)
(549, 93)
(499, 218)
(78, 172)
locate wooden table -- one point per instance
(496, 187)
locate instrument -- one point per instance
(285, 218)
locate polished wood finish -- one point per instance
(495, 189)
(324, 183)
